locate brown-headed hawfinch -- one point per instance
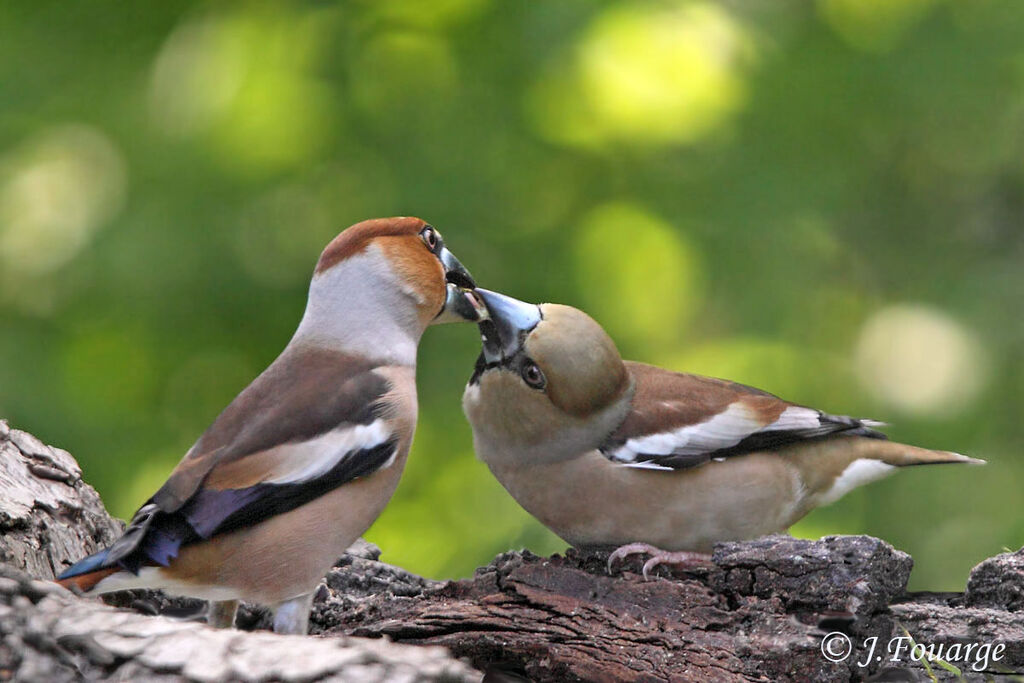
(302, 462)
(612, 453)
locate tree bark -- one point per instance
(759, 612)
(47, 634)
(49, 517)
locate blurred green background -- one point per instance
(822, 199)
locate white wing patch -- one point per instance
(724, 430)
(857, 473)
(646, 465)
(795, 418)
(308, 460)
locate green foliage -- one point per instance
(824, 200)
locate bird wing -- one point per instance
(310, 423)
(679, 421)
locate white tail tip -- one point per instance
(968, 459)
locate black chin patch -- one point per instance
(478, 369)
(512, 364)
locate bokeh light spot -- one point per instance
(55, 193)
(197, 75)
(873, 25)
(248, 82)
(639, 277)
(281, 119)
(647, 75)
(920, 360)
(432, 14)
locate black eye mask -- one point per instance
(512, 364)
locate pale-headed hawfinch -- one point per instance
(612, 453)
(302, 462)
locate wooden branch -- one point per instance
(759, 612)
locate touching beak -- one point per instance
(506, 328)
(461, 302)
(454, 271)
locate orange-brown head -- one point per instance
(386, 273)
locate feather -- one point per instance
(680, 421)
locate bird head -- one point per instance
(383, 277)
(549, 382)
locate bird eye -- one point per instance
(532, 375)
(430, 237)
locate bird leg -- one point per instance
(682, 558)
(221, 613)
(292, 616)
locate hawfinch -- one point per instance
(300, 464)
(607, 453)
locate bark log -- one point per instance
(49, 517)
(47, 634)
(758, 612)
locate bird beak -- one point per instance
(454, 271)
(460, 305)
(509, 322)
(461, 302)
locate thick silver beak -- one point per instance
(454, 271)
(509, 322)
(461, 305)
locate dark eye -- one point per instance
(430, 237)
(532, 375)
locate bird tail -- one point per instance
(902, 455)
(836, 466)
(87, 572)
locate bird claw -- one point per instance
(682, 558)
(625, 551)
(648, 566)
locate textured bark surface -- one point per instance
(758, 612)
(46, 634)
(49, 517)
(998, 582)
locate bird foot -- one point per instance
(292, 616)
(682, 558)
(221, 614)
